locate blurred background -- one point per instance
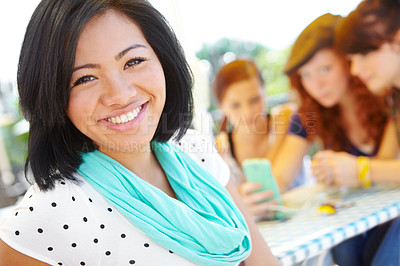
(212, 33)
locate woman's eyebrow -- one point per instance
(121, 54)
(86, 66)
(117, 57)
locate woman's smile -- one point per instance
(127, 120)
(118, 85)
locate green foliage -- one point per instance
(215, 53)
(270, 62)
(16, 146)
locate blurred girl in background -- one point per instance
(370, 35)
(341, 112)
(336, 108)
(247, 131)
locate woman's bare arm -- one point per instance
(280, 122)
(260, 254)
(289, 159)
(389, 147)
(11, 257)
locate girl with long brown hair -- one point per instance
(370, 36)
(337, 109)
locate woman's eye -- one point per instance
(255, 100)
(235, 105)
(325, 69)
(83, 80)
(134, 62)
(304, 75)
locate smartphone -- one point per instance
(259, 170)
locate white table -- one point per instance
(309, 232)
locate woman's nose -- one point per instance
(317, 83)
(248, 111)
(118, 91)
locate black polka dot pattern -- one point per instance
(78, 221)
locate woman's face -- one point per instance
(118, 85)
(379, 69)
(244, 102)
(325, 77)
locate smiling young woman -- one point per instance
(118, 179)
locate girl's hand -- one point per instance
(338, 168)
(257, 202)
(222, 144)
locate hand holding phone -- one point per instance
(259, 170)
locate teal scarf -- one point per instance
(203, 225)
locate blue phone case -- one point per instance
(259, 170)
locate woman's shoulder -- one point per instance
(73, 224)
(222, 143)
(44, 223)
(201, 147)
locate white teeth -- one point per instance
(120, 119)
(131, 116)
(124, 119)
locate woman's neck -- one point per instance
(355, 131)
(136, 161)
(397, 84)
(347, 103)
(144, 164)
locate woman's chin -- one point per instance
(328, 104)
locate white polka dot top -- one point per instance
(74, 225)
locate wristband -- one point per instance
(364, 173)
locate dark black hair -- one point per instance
(44, 75)
(371, 24)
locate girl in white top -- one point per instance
(74, 224)
(104, 85)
